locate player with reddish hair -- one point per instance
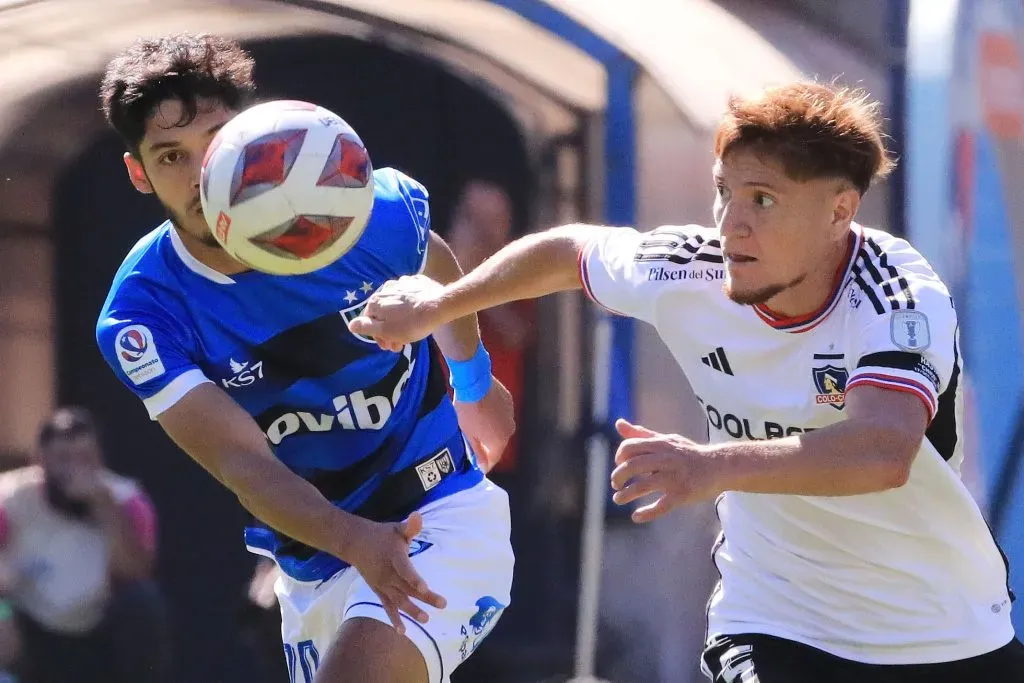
(825, 356)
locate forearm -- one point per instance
(287, 503)
(845, 459)
(458, 340)
(528, 268)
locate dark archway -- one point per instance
(412, 115)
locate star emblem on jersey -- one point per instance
(265, 164)
(347, 165)
(356, 307)
(830, 382)
(303, 237)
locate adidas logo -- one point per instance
(717, 360)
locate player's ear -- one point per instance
(137, 174)
(847, 202)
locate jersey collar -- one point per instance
(192, 263)
(807, 322)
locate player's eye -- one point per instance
(763, 200)
(721, 190)
(171, 158)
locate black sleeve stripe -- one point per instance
(902, 360)
(670, 245)
(681, 251)
(875, 301)
(883, 260)
(944, 432)
(904, 295)
(886, 282)
(897, 360)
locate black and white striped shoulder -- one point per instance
(680, 245)
(890, 273)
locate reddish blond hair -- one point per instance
(812, 130)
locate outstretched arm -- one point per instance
(409, 309)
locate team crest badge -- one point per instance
(350, 314)
(830, 382)
(356, 307)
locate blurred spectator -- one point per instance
(481, 225)
(77, 546)
(261, 625)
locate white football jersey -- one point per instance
(908, 575)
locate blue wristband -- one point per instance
(471, 379)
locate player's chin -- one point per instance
(747, 294)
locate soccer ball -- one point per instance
(286, 187)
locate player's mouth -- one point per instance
(734, 259)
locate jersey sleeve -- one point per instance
(625, 271)
(910, 345)
(149, 355)
(399, 228)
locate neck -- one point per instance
(813, 291)
(211, 256)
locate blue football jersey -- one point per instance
(335, 408)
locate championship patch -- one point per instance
(909, 330)
(137, 354)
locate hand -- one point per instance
(488, 424)
(381, 554)
(674, 468)
(402, 311)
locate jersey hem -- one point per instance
(896, 655)
(174, 392)
(322, 566)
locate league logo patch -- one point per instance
(830, 382)
(909, 330)
(137, 354)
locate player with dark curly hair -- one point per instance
(362, 474)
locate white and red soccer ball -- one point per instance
(287, 187)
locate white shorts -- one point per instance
(464, 554)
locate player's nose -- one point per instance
(732, 223)
(195, 173)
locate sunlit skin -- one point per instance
(169, 160)
(783, 240)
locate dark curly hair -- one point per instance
(184, 66)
